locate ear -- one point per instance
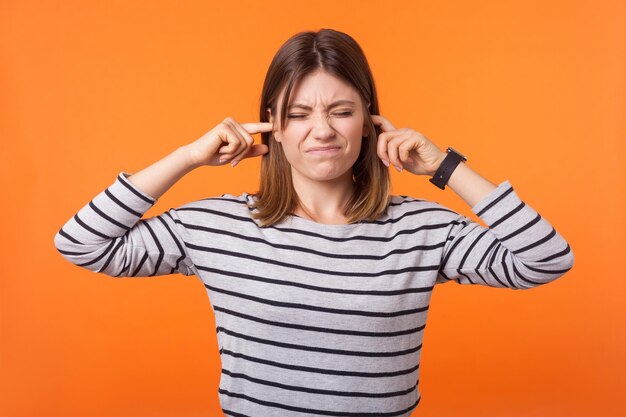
(271, 119)
(365, 118)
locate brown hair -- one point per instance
(340, 55)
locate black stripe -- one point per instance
(183, 255)
(461, 274)
(491, 270)
(68, 237)
(317, 348)
(494, 243)
(93, 261)
(408, 199)
(158, 245)
(89, 229)
(224, 232)
(373, 238)
(557, 255)
(126, 266)
(126, 184)
(122, 205)
(180, 247)
(232, 413)
(523, 278)
(547, 271)
(319, 370)
(481, 277)
(521, 229)
(143, 259)
(473, 244)
(507, 215)
(104, 216)
(314, 287)
(244, 200)
(317, 390)
(443, 275)
(111, 255)
(506, 271)
(318, 308)
(494, 202)
(305, 268)
(321, 236)
(317, 329)
(493, 254)
(454, 245)
(67, 252)
(465, 255)
(537, 243)
(315, 411)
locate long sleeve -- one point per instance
(518, 250)
(107, 235)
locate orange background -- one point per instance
(533, 92)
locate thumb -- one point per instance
(257, 150)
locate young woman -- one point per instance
(320, 282)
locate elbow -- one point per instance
(64, 246)
(88, 256)
(70, 249)
(534, 274)
(568, 262)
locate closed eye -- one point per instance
(299, 116)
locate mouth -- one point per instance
(324, 150)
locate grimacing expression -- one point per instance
(324, 111)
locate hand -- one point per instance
(407, 149)
(228, 141)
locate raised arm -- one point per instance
(518, 250)
(107, 235)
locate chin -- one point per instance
(328, 176)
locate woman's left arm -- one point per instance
(518, 250)
(406, 148)
(469, 184)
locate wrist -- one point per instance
(446, 167)
(437, 164)
(189, 157)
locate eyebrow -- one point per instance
(331, 105)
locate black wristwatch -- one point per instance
(448, 165)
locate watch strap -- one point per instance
(447, 167)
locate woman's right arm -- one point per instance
(108, 235)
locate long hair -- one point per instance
(340, 55)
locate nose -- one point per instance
(321, 128)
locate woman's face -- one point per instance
(323, 112)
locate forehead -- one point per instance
(322, 89)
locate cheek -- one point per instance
(350, 128)
(290, 148)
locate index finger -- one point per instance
(257, 127)
(384, 124)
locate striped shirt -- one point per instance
(317, 319)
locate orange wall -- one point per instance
(533, 92)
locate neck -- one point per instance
(323, 201)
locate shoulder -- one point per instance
(222, 207)
(427, 211)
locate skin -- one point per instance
(323, 181)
